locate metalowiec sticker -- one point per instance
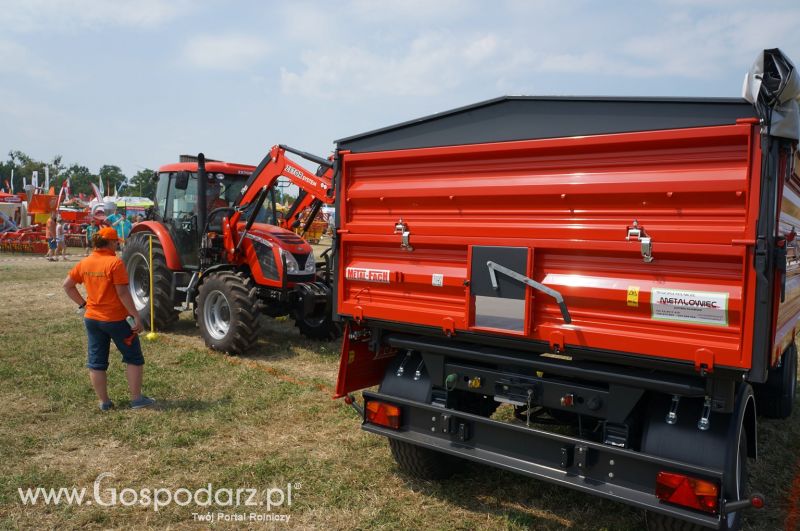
(687, 306)
(367, 275)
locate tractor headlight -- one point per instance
(311, 263)
(292, 268)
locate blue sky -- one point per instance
(135, 83)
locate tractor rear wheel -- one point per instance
(136, 255)
(226, 312)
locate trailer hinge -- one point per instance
(703, 361)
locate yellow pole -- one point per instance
(152, 334)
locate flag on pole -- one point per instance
(47, 177)
(97, 191)
(102, 191)
(12, 180)
(35, 179)
(66, 184)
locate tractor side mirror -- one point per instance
(182, 180)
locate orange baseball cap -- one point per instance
(107, 233)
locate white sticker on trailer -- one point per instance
(367, 275)
(687, 306)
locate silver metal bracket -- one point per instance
(703, 424)
(672, 416)
(637, 233)
(530, 282)
(402, 368)
(402, 228)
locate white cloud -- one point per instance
(16, 59)
(68, 15)
(225, 52)
(431, 64)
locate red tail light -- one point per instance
(688, 491)
(383, 414)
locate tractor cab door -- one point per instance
(176, 197)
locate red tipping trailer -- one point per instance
(624, 266)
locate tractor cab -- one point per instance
(177, 201)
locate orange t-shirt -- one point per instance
(100, 272)
(50, 229)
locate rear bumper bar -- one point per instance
(614, 473)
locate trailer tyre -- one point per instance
(135, 256)
(226, 314)
(775, 397)
(420, 462)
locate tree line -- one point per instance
(80, 177)
(140, 184)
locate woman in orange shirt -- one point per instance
(108, 303)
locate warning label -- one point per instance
(633, 296)
(702, 307)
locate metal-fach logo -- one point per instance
(103, 494)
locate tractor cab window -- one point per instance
(182, 204)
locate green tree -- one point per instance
(112, 177)
(80, 179)
(142, 184)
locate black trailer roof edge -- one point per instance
(501, 99)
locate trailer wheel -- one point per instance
(135, 256)
(775, 397)
(420, 462)
(227, 319)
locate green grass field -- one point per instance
(262, 421)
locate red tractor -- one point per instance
(221, 249)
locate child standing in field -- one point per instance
(108, 303)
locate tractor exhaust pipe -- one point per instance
(202, 201)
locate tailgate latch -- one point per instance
(637, 233)
(401, 227)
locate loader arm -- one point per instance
(314, 189)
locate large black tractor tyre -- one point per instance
(227, 313)
(421, 462)
(775, 397)
(136, 256)
(315, 321)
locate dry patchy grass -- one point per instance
(260, 421)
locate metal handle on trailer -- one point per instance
(530, 282)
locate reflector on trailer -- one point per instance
(383, 414)
(688, 491)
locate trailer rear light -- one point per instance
(383, 414)
(688, 491)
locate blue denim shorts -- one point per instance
(52, 244)
(101, 333)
